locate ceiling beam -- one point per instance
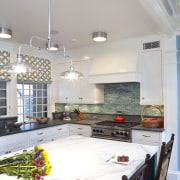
(158, 12)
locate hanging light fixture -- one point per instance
(5, 33)
(20, 66)
(52, 46)
(71, 74)
(99, 36)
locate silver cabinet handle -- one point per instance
(6, 152)
(80, 128)
(146, 135)
(80, 134)
(40, 140)
(40, 133)
(59, 129)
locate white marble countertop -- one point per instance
(84, 158)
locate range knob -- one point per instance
(94, 130)
(121, 133)
(113, 133)
(126, 133)
(117, 133)
(101, 131)
(97, 130)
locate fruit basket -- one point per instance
(40, 120)
(152, 122)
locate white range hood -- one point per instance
(114, 78)
(117, 64)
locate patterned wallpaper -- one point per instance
(4, 60)
(123, 97)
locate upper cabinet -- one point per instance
(151, 86)
(78, 91)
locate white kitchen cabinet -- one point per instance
(148, 138)
(62, 85)
(151, 86)
(39, 137)
(48, 134)
(58, 132)
(79, 129)
(12, 143)
(78, 91)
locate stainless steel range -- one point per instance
(113, 130)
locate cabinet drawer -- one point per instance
(62, 129)
(79, 128)
(37, 141)
(146, 136)
(39, 133)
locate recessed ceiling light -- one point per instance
(5, 33)
(99, 36)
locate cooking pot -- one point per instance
(118, 119)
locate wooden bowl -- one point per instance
(42, 121)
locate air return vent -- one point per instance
(151, 45)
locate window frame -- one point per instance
(6, 97)
(32, 93)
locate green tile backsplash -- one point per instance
(123, 97)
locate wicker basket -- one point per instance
(146, 122)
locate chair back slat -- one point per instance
(142, 172)
(164, 159)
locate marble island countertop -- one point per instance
(84, 158)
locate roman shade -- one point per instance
(4, 60)
(41, 75)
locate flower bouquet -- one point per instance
(28, 164)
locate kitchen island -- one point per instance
(85, 158)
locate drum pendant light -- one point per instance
(5, 33)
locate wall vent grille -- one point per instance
(151, 45)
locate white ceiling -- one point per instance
(78, 19)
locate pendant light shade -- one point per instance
(20, 66)
(71, 74)
(99, 36)
(5, 33)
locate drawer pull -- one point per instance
(80, 128)
(146, 135)
(6, 152)
(40, 140)
(40, 133)
(59, 129)
(9, 151)
(80, 134)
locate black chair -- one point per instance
(164, 159)
(142, 172)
